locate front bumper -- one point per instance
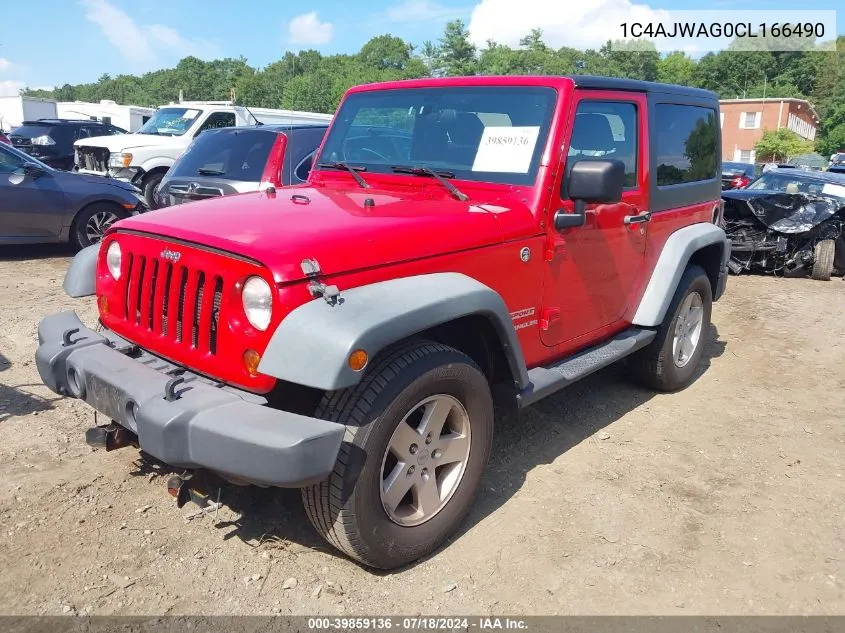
(198, 424)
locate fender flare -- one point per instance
(81, 276)
(673, 260)
(311, 346)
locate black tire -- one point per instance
(654, 366)
(80, 231)
(823, 262)
(150, 187)
(346, 509)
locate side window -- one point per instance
(303, 169)
(218, 120)
(606, 129)
(686, 143)
(83, 132)
(9, 162)
(115, 131)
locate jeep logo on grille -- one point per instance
(172, 256)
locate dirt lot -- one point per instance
(725, 498)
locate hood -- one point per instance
(786, 213)
(101, 181)
(336, 227)
(121, 142)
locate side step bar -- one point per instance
(547, 380)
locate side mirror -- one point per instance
(591, 182)
(33, 170)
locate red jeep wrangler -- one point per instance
(345, 336)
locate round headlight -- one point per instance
(258, 302)
(113, 258)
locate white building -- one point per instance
(128, 117)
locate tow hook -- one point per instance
(110, 437)
(191, 486)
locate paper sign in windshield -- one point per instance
(834, 190)
(190, 114)
(506, 149)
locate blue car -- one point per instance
(42, 204)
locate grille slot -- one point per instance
(215, 315)
(195, 321)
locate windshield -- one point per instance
(788, 181)
(494, 134)
(234, 155)
(170, 122)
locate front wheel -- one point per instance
(150, 189)
(419, 429)
(823, 262)
(91, 223)
(670, 361)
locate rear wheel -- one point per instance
(419, 428)
(670, 361)
(823, 263)
(91, 223)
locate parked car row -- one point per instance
(42, 200)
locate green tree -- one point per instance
(457, 53)
(781, 145)
(676, 68)
(386, 51)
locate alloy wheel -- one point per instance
(425, 460)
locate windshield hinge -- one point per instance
(317, 287)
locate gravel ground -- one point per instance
(725, 498)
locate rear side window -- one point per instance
(606, 129)
(299, 153)
(232, 155)
(686, 143)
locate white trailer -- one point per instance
(15, 110)
(268, 116)
(127, 117)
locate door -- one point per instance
(592, 270)
(30, 207)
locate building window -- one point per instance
(750, 120)
(746, 156)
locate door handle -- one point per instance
(638, 219)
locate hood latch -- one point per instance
(317, 287)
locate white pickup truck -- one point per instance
(143, 158)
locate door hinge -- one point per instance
(549, 316)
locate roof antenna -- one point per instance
(257, 122)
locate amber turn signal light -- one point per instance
(104, 304)
(358, 360)
(251, 360)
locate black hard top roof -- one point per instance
(615, 83)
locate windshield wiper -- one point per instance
(210, 172)
(440, 176)
(352, 169)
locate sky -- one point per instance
(44, 43)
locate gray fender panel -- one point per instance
(671, 265)
(312, 344)
(81, 275)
